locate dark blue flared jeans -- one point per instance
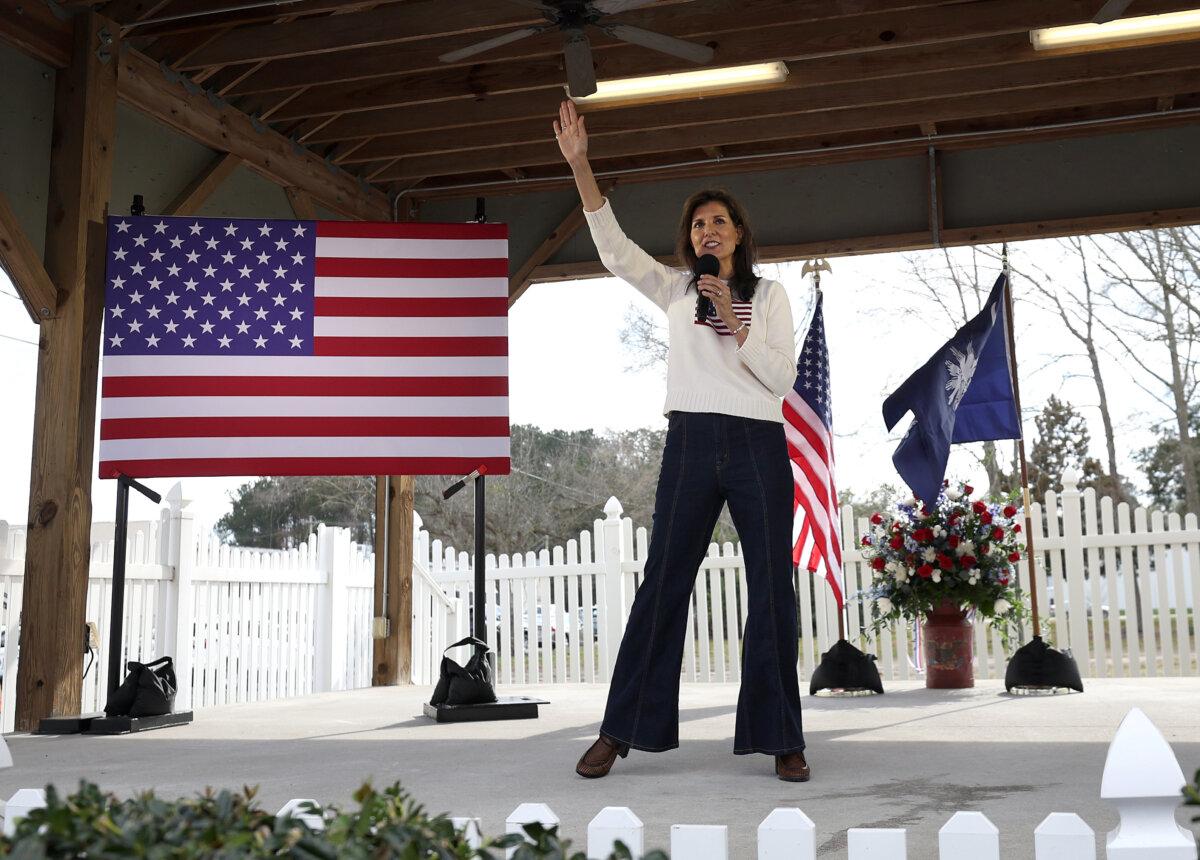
(709, 460)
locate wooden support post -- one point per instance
(520, 280)
(393, 582)
(50, 678)
(25, 267)
(302, 205)
(201, 188)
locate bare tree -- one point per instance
(1154, 284)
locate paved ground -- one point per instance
(906, 759)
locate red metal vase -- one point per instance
(949, 648)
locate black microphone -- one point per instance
(706, 264)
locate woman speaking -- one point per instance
(729, 364)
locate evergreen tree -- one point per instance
(1163, 464)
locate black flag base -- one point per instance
(1036, 668)
(845, 670)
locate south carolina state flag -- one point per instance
(964, 393)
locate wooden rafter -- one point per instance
(301, 203)
(783, 127)
(202, 186)
(142, 85)
(25, 267)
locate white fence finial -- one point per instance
(23, 802)
(700, 842)
(613, 823)
(1142, 778)
(529, 813)
(787, 834)
(613, 509)
(1070, 480)
(969, 836)
(1064, 836)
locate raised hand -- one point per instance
(571, 133)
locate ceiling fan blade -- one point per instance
(614, 7)
(544, 8)
(581, 74)
(1111, 11)
(488, 44)
(658, 42)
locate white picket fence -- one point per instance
(243, 625)
(1124, 586)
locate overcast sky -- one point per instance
(567, 371)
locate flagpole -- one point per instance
(1012, 351)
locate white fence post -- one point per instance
(529, 813)
(614, 590)
(1142, 778)
(969, 836)
(178, 618)
(699, 842)
(1064, 836)
(298, 808)
(787, 834)
(877, 843)
(613, 823)
(470, 829)
(23, 802)
(1073, 596)
(333, 559)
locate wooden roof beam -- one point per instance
(201, 187)
(804, 99)
(142, 84)
(820, 122)
(24, 267)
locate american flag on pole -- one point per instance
(808, 417)
(252, 347)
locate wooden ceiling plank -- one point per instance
(923, 26)
(301, 203)
(403, 22)
(244, 17)
(24, 266)
(821, 122)
(202, 186)
(890, 91)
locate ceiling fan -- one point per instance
(1111, 11)
(571, 17)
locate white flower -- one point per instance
(1001, 606)
(938, 531)
(937, 576)
(967, 547)
(885, 605)
(929, 554)
(902, 575)
(953, 495)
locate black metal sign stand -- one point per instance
(98, 723)
(505, 707)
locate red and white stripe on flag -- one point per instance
(402, 369)
(816, 539)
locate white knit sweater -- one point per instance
(706, 370)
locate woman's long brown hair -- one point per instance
(744, 281)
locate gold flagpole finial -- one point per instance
(815, 268)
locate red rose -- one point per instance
(997, 533)
(945, 562)
(896, 526)
(954, 518)
(954, 541)
(910, 560)
(925, 571)
(983, 549)
(878, 563)
(924, 511)
(1010, 510)
(876, 519)
(1003, 580)
(968, 561)
(866, 540)
(968, 489)
(1014, 556)
(979, 507)
(986, 518)
(897, 542)
(1017, 527)
(923, 535)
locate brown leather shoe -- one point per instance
(599, 758)
(792, 767)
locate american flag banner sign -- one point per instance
(269, 347)
(808, 418)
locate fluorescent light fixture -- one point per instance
(683, 84)
(1120, 30)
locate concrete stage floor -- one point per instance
(908, 759)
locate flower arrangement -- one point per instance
(960, 550)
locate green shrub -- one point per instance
(1191, 795)
(225, 825)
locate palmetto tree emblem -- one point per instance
(961, 368)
